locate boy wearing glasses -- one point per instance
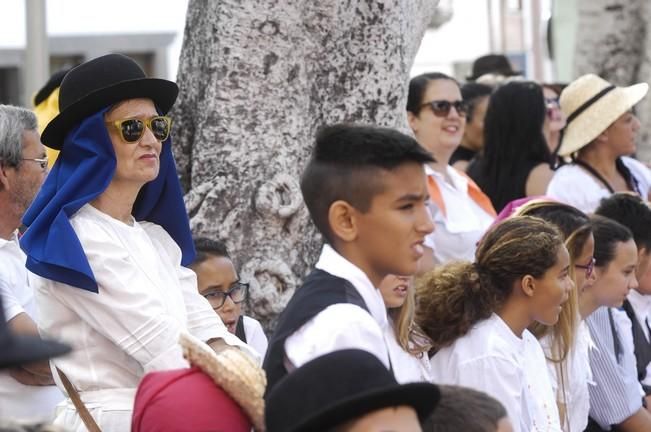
(219, 283)
(366, 192)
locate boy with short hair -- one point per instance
(365, 189)
(219, 283)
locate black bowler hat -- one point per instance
(496, 64)
(100, 83)
(16, 350)
(339, 387)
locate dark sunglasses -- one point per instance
(588, 268)
(131, 130)
(441, 108)
(237, 292)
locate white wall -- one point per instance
(463, 38)
(80, 17)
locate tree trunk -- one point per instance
(614, 42)
(257, 79)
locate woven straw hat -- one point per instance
(232, 370)
(591, 104)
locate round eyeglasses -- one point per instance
(589, 268)
(237, 292)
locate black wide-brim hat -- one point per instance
(100, 83)
(497, 64)
(339, 387)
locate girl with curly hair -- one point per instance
(477, 314)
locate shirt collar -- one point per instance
(331, 262)
(458, 181)
(641, 304)
(12, 241)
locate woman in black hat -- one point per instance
(108, 237)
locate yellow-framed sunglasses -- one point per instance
(131, 130)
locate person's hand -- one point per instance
(25, 377)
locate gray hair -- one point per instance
(13, 122)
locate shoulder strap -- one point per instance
(631, 181)
(594, 172)
(85, 415)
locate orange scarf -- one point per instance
(474, 192)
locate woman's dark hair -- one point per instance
(465, 409)
(472, 93)
(452, 298)
(418, 87)
(513, 139)
(607, 233)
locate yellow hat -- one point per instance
(591, 104)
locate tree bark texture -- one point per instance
(614, 42)
(257, 79)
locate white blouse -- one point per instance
(456, 233)
(132, 325)
(255, 337)
(492, 359)
(578, 378)
(573, 185)
(406, 367)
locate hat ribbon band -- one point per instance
(588, 103)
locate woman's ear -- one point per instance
(528, 285)
(342, 221)
(414, 122)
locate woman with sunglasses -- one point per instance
(566, 343)
(219, 283)
(461, 211)
(107, 239)
(516, 160)
(555, 117)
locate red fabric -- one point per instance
(185, 400)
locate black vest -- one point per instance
(319, 290)
(642, 346)
(239, 329)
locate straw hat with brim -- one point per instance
(100, 83)
(233, 371)
(339, 387)
(16, 350)
(591, 104)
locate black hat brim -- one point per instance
(506, 73)
(161, 91)
(423, 397)
(23, 349)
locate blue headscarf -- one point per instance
(83, 171)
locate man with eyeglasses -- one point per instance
(27, 391)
